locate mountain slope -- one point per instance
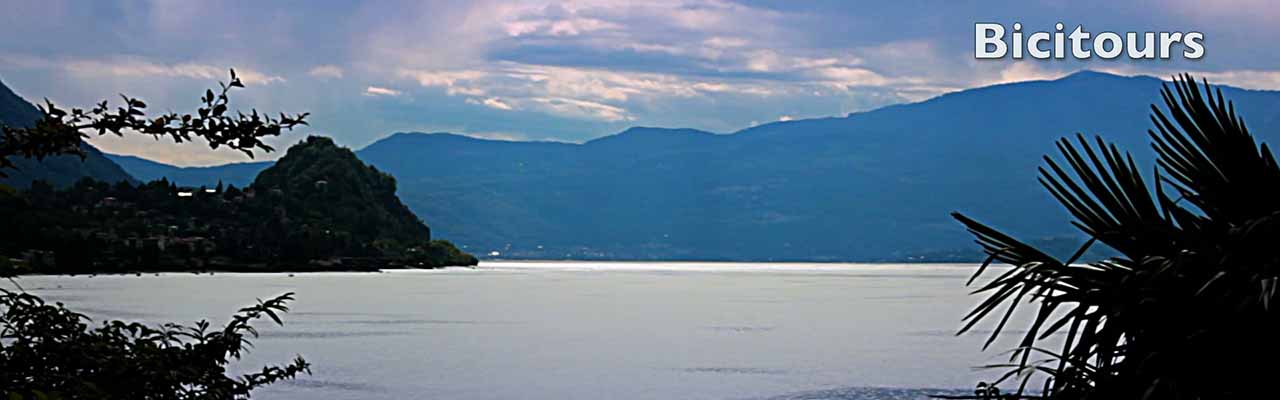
(60, 170)
(238, 174)
(875, 185)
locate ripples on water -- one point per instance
(869, 393)
(586, 330)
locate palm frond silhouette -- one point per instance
(1184, 311)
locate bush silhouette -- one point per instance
(50, 352)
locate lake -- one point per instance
(586, 330)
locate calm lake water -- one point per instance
(586, 330)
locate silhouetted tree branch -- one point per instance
(60, 131)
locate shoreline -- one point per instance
(562, 265)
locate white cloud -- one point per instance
(1257, 79)
(581, 109)
(504, 136)
(764, 61)
(496, 103)
(380, 91)
(720, 42)
(455, 82)
(725, 52)
(1025, 71)
(492, 102)
(520, 28)
(558, 27)
(1249, 79)
(326, 71)
(125, 66)
(568, 91)
(785, 118)
(442, 78)
(846, 77)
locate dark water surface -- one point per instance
(586, 330)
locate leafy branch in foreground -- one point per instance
(1186, 310)
(49, 352)
(59, 131)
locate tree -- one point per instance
(1186, 310)
(60, 131)
(49, 352)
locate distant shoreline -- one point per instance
(730, 261)
(511, 261)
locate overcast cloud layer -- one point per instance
(568, 71)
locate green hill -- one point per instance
(323, 189)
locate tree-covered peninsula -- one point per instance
(319, 208)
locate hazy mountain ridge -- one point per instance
(873, 185)
(239, 174)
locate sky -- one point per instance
(569, 71)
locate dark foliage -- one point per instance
(1185, 311)
(50, 352)
(325, 186)
(60, 170)
(59, 131)
(318, 208)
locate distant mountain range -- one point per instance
(61, 170)
(874, 185)
(240, 174)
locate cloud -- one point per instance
(583, 109)
(764, 61)
(326, 71)
(720, 42)
(1025, 71)
(560, 27)
(126, 66)
(455, 82)
(596, 84)
(573, 69)
(1250, 79)
(1257, 79)
(578, 92)
(570, 91)
(504, 136)
(380, 91)
(847, 77)
(492, 102)
(442, 78)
